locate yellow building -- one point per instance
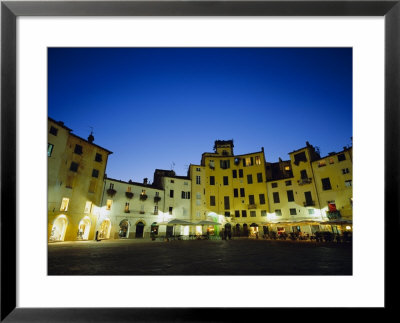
(76, 169)
(230, 189)
(308, 193)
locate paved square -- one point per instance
(219, 257)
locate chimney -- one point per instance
(145, 181)
(90, 138)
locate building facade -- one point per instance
(76, 169)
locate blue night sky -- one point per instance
(155, 107)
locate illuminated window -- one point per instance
(53, 131)
(331, 161)
(253, 214)
(144, 192)
(64, 204)
(248, 161)
(88, 207)
(292, 211)
(78, 149)
(109, 204)
(126, 207)
(98, 158)
(49, 149)
(278, 212)
(198, 181)
(287, 167)
(74, 167)
(321, 163)
(129, 189)
(258, 160)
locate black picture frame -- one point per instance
(10, 10)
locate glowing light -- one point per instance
(348, 227)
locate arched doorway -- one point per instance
(59, 228)
(124, 229)
(84, 228)
(105, 229)
(245, 230)
(139, 230)
(237, 230)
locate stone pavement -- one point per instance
(199, 257)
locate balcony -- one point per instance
(157, 199)
(252, 206)
(143, 197)
(335, 215)
(309, 203)
(304, 181)
(111, 192)
(129, 195)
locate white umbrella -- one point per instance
(180, 222)
(204, 222)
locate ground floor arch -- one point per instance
(105, 229)
(124, 227)
(84, 228)
(59, 228)
(139, 230)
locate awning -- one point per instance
(181, 222)
(206, 222)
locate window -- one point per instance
(288, 183)
(262, 198)
(92, 186)
(240, 173)
(126, 207)
(244, 214)
(310, 211)
(259, 177)
(326, 184)
(109, 204)
(321, 163)
(249, 179)
(78, 149)
(251, 199)
(263, 213)
(49, 149)
(253, 214)
(290, 196)
(287, 168)
(198, 195)
(172, 181)
(53, 131)
(170, 210)
(171, 193)
(212, 200)
(129, 189)
(300, 157)
(198, 180)
(276, 197)
(308, 197)
(242, 192)
(341, 157)
(198, 214)
(278, 212)
(74, 167)
(155, 209)
(303, 174)
(237, 214)
(186, 195)
(197, 169)
(225, 164)
(235, 192)
(227, 213)
(212, 165)
(88, 207)
(347, 183)
(274, 185)
(98, 158)
(226, 203)
(225, 180)
(64, 204)
(234, 173)
(95, 173)
(212, 180)
(331, 161)
(248, 161)
(292, 211)
(345, 171)
(198, 202)
(258, 160)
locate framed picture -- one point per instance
(14, 130)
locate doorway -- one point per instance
(59, 228)
(139, 230)
(124, 229)
(84, 229)
(105, 229)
